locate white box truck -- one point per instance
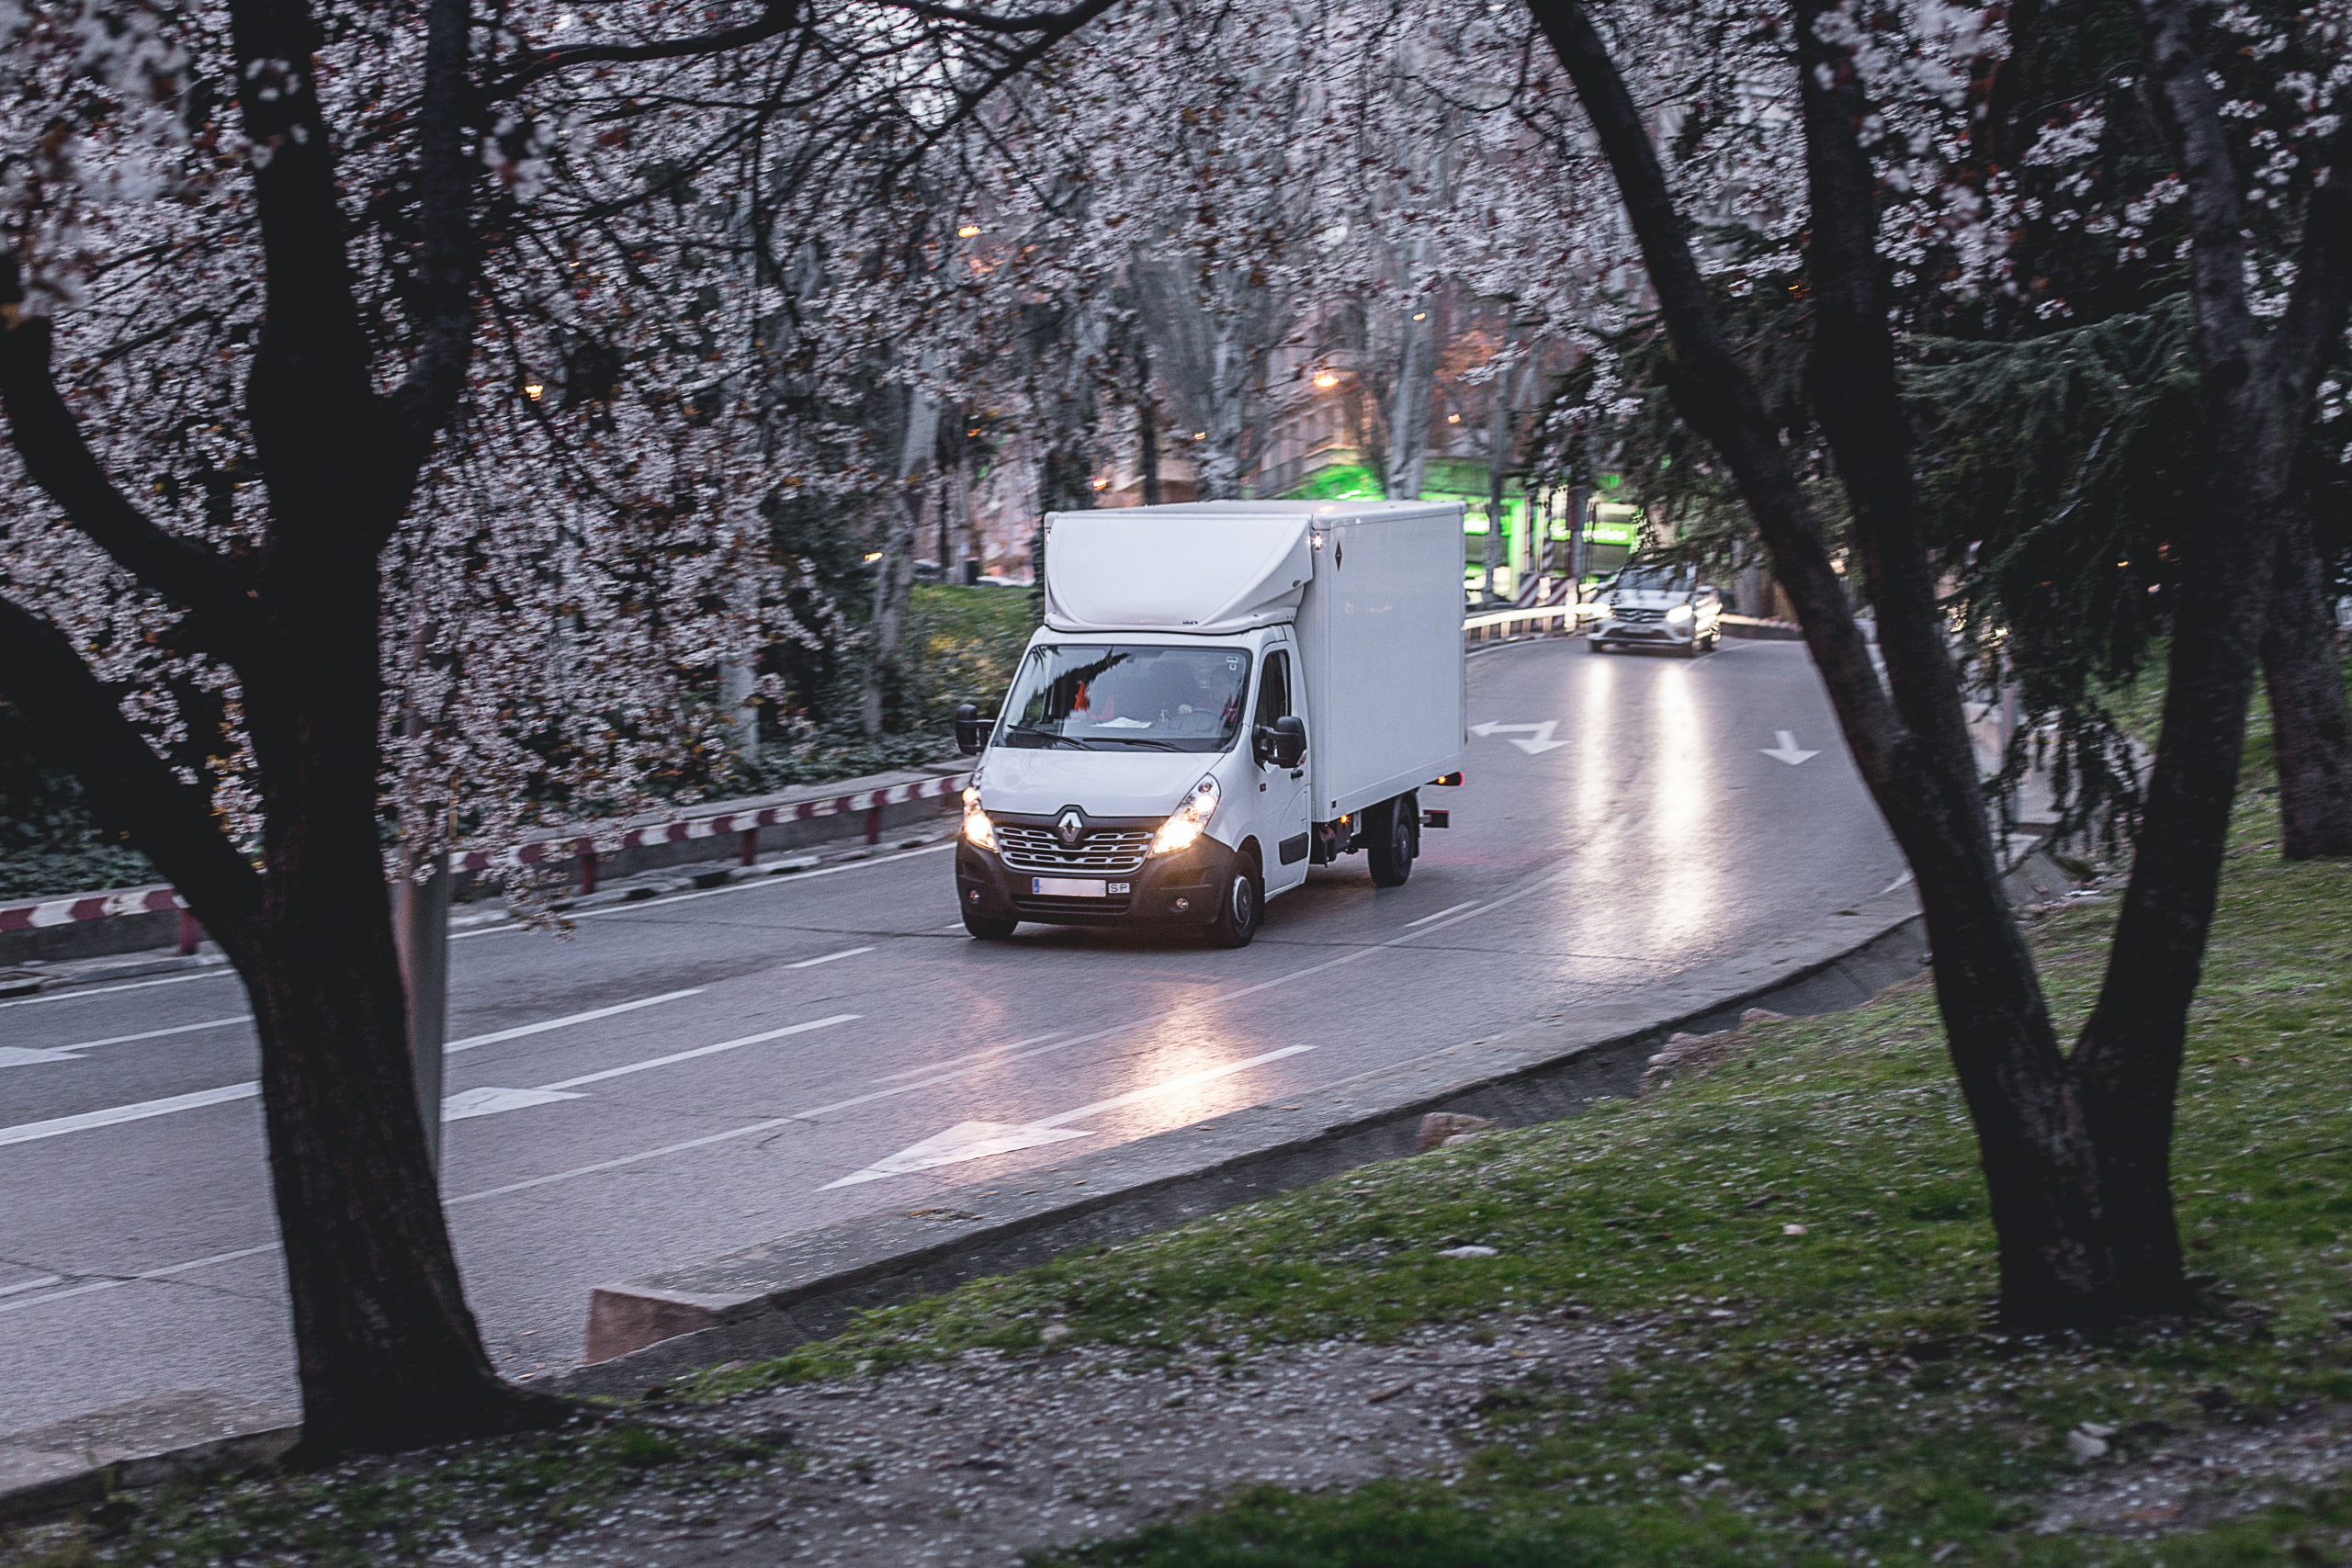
(1222, 697)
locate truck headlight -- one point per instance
(1678, 615)
(1192, 818)
(977, 826)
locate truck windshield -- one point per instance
(1112, 698)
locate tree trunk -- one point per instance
(1146, 428)
(2309, 726)
(1408, 406)
(894, 574)
(1911, 750)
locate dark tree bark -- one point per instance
(2074, 1149)
(2257, 385)
(2311, 730)
(1913, 748)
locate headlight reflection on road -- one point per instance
(1684, 827)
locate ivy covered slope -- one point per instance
(1823, 1393)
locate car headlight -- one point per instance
(1678, 615)
(1191, 821)
(977, 826)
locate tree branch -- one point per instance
(2318, 304)
(779, 17)
(76, 724)
(59, 461)
(2191, 116)
(446, 268)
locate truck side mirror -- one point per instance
(1289, 741)
(968, 728)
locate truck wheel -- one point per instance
(988, 929)
(1242, 908)
(1390, 850)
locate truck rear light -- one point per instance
(1448, 779)
(1437, 819)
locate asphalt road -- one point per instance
(711, 1068)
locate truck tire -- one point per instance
(988, 929)
(1242, 908)
(1393, 840)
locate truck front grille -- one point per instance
(1101, 849)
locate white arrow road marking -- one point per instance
(489, 1101)
(18, 1055)
(965, 1140)
(1787, 749)
(970, 1140)
(26, 1056)
(1540, 735)
(27, 1132)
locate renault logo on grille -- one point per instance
(1071, 826)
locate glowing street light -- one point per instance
(967, 231)
(1326, 379)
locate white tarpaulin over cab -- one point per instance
(1192, 570)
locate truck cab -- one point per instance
(1141, 771)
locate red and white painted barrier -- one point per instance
(538, 852)
(87, 906)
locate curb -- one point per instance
(85, 1459)
(766, 1299)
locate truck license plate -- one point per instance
(1074, 887)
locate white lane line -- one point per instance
(1453, 909)
(844, 952)
(27, 1132)
(222, 973)
(44, 1282)
(796, 880)
(1895, 884)
(520, 1030)
(156, 1033)
(119, 1281)
(653, 1062)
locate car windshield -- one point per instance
(1121, 698)
(1655, 579)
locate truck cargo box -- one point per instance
(1373, 589)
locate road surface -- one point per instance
(692, 1074)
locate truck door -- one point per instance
(1283, 793)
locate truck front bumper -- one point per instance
(1175, 889)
